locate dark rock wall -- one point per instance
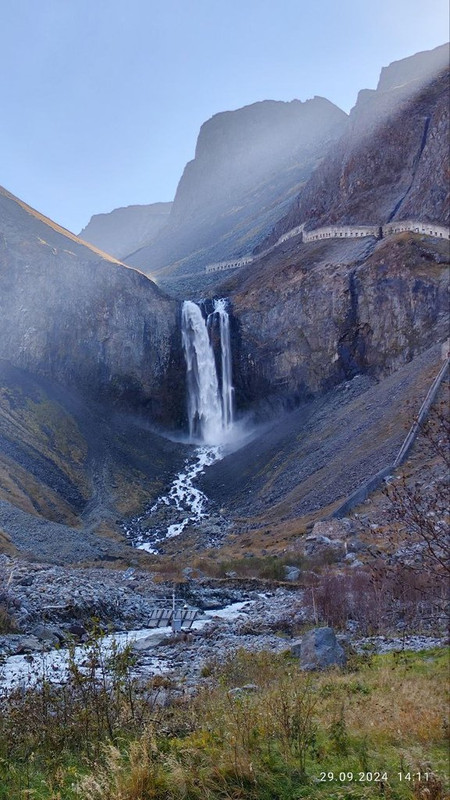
(69, 315)
(310, 320)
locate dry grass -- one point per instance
(269, 742)
(395, 705)
(101, 741)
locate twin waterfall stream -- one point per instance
(210, 408)
(210, 416)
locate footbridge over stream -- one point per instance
(174, 614)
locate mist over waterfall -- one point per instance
(210, 399)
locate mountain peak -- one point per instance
(126, 229)
(421, 67)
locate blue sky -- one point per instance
(102, 100)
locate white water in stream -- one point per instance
(26, 670)
(183, 496)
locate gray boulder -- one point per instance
(47, 633)
(29, 644)
(148, 642)
(319, 649)
(333, 528)
(291, 573)
(323, 548)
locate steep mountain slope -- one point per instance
(75, 315)
(300, 468)
(420, 68)
(89, 360)
(392, 162)
(70, 469)
(125, 230)
(248, 164)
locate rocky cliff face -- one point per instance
(80, 318)
(311, 317)
(125, 230)
(248, 164)
(235, 149)
(392, 162)
(420, 68)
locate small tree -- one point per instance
(421, 509)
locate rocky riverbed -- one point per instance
(50, 604)
(46, 603)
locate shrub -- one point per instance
(7, 622)
(378, 599)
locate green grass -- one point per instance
(295, 736)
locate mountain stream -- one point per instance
(53, 665)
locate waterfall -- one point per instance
(210, 411)
(210, 403)
(225, 349)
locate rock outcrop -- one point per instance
(125, 230)
(309, 317)
(78, 317)
(319, 649)
(419, 68)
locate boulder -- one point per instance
(319, 649)
(148, 642)
(333, 528)
(291, 573)
(27, 581)
(77, 630)
(321, 548)
(47, 633)
(355, 545)
(239, 690)
(29, 644)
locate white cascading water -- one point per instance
(210, 409)
(227, 390)
(210, 412)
